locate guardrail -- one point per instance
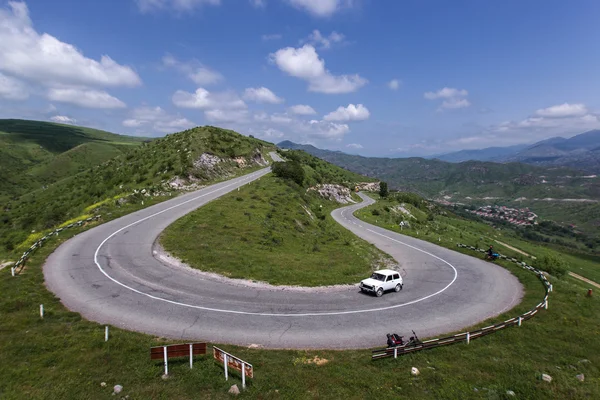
(18, 267)
(468, 336)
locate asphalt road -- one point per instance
(109, 275)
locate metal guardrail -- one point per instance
(18, 267)
(468, 336)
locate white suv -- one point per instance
(380, 281)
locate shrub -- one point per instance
(289, 170)
(553, 265)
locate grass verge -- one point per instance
(272, 231)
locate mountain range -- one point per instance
(580, 152)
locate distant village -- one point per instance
(515, 216)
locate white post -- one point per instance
(520, 321)
(243, 375)
(191, 355)
(225, 365)
(550, 287)
(12, 271)
(546, 304)
(106, 333)
(395, 352)
(166, 362)
(41, 311)
(468, 337)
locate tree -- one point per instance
(289, 170)
(383, 189)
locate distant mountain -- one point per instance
(575, 152)
(475, 179)
(487, 154)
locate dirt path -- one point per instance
(586, 280)
(515, 249)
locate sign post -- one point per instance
(235, 363)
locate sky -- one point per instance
(372, 77)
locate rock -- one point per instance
(580, 377)
(546, 378)
(234, 390)
(414, 371)
(584, 361)
(510, 393)
(103, 384)
(336, 193)
(117, 389)
(165, 377)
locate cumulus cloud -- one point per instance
(157, 119)
(84, 97)
(194, 70)
(43, 59)
(225, 115)
(565, 110)
(324, 42)
(452, 98)
(350, 113)
(394, 84)
(302, 109)
(202, 99)
(12, 89)
(146, 6)
(322, 8)
(63, 119)
(262, 95)
(304, 63)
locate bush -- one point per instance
(289, 170)
(553, 265)
(375, 212)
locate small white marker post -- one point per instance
(41, 311)
(106, 333)
(191, 355)
(395, 352)
(550, 287)
(225, 365)
(520, 319)
(243, 375)
(12, 271)
(166, 362)
(546, 304)
(468, 337)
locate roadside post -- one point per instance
(229, 361)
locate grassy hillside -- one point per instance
(276, 231)
(35, 153)
(148, 166)
(476, 179)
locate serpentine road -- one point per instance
(110, 275)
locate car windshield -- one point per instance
(378, 277)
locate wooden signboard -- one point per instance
(230, 361)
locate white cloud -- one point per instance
(324, 42)
(327, 130)
(157, 119)
(177, 5)
(273, 36)
(197, 72)
(281, 119)
(304, 63)
(355, 146)
(42, 58)
(262, 95)
(446, 93)
(258, 3)
(563, 111)
(322, 8)
(12, 89)
(301, 109)
(219, 115)
(453, 98)
(62, 119)
(204, 100)
(350, 113)
(83, 97)
(394, 84)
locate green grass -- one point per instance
(263, 232)
(64, 356)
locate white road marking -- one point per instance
(257, 313)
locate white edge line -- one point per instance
(263, 314)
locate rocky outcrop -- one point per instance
(207, 161)
(336, 193)
(368, 186)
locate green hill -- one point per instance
(193, 157)
(35, 153)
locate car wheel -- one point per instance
(398, 287)
(379, 292)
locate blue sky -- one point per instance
(372, 77)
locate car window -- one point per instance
(389, 278)
(378, 277)
(396, 276)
